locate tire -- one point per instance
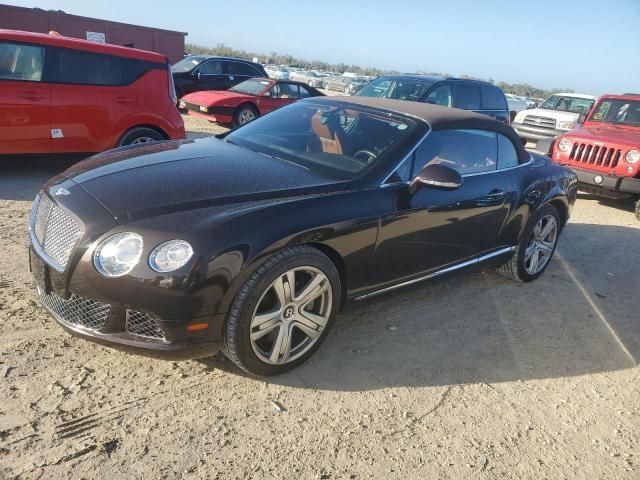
(140, 135)
(520, 266)
(637, 209)
(260, 356)
(244, 115)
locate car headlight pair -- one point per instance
(118, 254)
(566, 125)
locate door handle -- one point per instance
(497, 194)
(124, 100)
(30, 95)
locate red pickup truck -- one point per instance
(604, 151)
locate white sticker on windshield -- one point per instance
(402, 126)
(264, 83)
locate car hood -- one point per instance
(166, 177)
(607, 133)
(214, 97)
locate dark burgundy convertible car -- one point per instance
(251, 242)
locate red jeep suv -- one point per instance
(604, 151)
(61, 95)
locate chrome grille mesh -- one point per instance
(55, 230)
(77, 311)
(143, 325)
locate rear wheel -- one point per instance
(140, 135)
(244, 115)
(283, 312)
(537, 246)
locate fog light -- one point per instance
(598, 179)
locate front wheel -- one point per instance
(537, 246)
(283, 312)
(637, 210)
(245, 115)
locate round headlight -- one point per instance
(170, 256)
(564, 145)
(118, 254)
(633, 156)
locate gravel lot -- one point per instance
(472, 376)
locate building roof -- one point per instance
(438, 117)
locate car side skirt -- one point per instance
(453, 268)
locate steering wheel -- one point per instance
(370, 156)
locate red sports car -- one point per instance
(246, 101)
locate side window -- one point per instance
(21, 62)
(304, 93)
(239, 68)
(466, 97)
(440, 95)
(288, 90)
(274, 92)
(84, 68)
(493, 99)
(507, 155)
(467, 151)
(212, 67)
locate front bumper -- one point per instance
(611, 186)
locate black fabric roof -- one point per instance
(438, 117)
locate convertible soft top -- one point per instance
(438, 117)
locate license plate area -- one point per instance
(39, 272)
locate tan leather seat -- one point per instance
(326, 138)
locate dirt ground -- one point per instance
(472, 376)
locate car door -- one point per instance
(270, 100)
(440, 94)
(239, 72)
(25, 100)
(212, 75)
(436, 228)
(91, 94)
(467, 96)
(494, 103)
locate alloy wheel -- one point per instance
(142, 140)
(541, 245)
(246, 116)
(291, 315)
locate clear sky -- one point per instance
(591, 46)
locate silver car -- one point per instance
(310, 78)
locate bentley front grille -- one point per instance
(55, 230)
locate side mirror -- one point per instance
(582, 118)
(199, 76)
(436, 176)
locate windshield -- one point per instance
(400, 89)
(618, 111)
(568, 104)
(335, 140)
(251, 87)
(187, 64)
